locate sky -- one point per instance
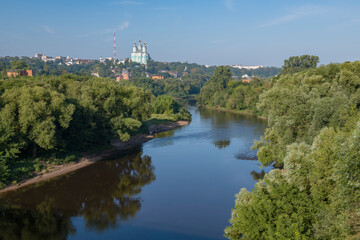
(212, 32)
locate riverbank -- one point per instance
(242, 112)
(86, 160)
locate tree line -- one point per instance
(51, 117)
(313, 142)
(222, 91)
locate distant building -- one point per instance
(172, 73)
(118, 77)
(95, 74)
(123, 60)
(47, 59)
(245, 78)
(63, 59)
(125, 74)
(157, 77)
(140, 54)
(246, 67)
(39, 55)
(12, 74)
(29, 73)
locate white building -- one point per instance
(140, 54)
(246, 67)
(39, 55)
(47, 59)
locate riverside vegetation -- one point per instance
(312, 140)
(224, 92)
(51, 119)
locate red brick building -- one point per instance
(29, 73)
(157, 77)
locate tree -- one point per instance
(19, 65)
(313, 141)
(299, 63)
(165, 104)
(36, 113)
(211, 93)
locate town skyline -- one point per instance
(223, 32)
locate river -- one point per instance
(180, 185)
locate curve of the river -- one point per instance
(180, 185)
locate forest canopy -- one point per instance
(223, 91)
(312, 140)
(54, 116)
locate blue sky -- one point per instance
(214, 32)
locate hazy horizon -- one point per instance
(217, 32)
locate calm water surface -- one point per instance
(181, 185)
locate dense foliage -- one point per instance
(263, 72)
(52, 68)
(299, 63)
(222, 91)
(166, 104)
(170, 86)
(58, 115)
(313, 140)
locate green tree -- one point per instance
(36, 113)
(312, 140)
(211, 93)
(299, 63)
(19, 65)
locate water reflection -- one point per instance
(17, 223)
(165, 134)
(257, 175)
(250, 155)
(197, 175)
(225, 119)
(220, 144)
(104, 194)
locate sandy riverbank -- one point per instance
(119, 145)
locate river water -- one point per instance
(180, 185)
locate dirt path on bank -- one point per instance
(119, 145)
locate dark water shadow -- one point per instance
(104, 194)
(257, 175)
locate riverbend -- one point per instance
(180, 185)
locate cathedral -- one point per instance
(140, 54)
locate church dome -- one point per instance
(139, 46)
(134, 48)
(144, 49)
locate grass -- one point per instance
(22, 169)
(155, 119)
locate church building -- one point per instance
(140, 54)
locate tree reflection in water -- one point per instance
(104, 194)
(257, 175)
(222, 143)
(40, 223)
